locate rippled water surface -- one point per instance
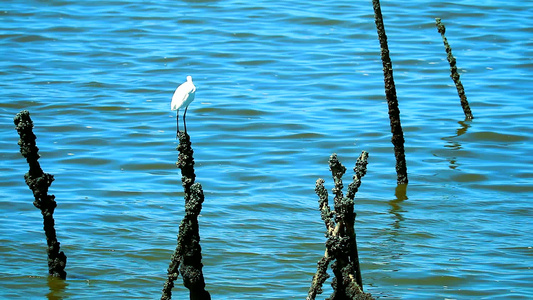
(281, 86)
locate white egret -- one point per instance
(183, 96)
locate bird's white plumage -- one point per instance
(184, 95)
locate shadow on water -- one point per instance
(453, 144)
(57, 288)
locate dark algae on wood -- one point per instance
(39, 182)
(392, 100)
(341, 245)
(453, 69)
(187, 258)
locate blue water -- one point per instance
(281, 85)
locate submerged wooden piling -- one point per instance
(39, 182)
(392, 100)
(453, 69)
(341, 245)
(187, 258)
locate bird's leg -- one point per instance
(185, 124)
(177, 123)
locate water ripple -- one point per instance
(281, 86)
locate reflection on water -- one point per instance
(56, 287)
(280, 88)
(395, 242)
(452, 142)
(396, 205)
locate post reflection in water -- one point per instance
(453, 144)
(394, 243)
(396, 208)
(57, 288)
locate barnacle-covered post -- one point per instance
(39, 182)
(187, 258)
(341, 245)
(353, 187)
(453, 69)
(392, 100)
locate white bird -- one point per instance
(183, 96)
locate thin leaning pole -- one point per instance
(454, 73)
(392, 99)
